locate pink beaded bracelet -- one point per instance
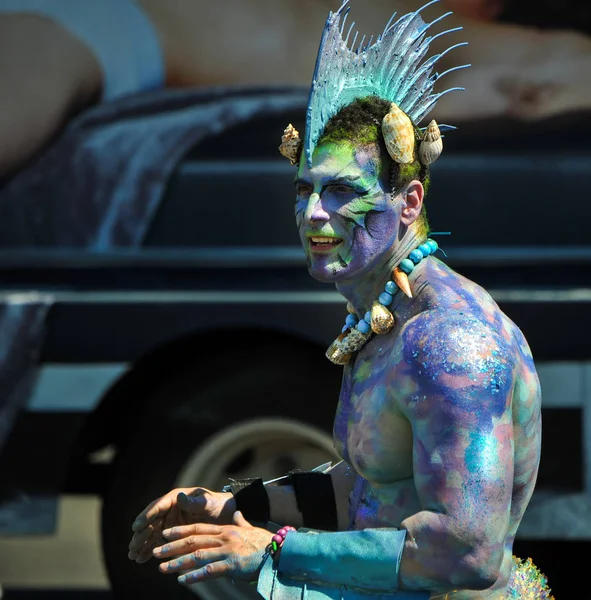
(278, 539)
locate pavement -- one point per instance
(66, 565)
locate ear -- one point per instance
(412, 199)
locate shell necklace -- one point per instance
(357, 332)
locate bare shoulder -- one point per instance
(452, 300)
(462, 347)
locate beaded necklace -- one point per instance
(379, 320)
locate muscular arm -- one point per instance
(283, 503)
(458, 377)
(47, 75)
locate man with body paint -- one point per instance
(438, 422)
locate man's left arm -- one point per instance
(460, 382)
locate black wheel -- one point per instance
(263, 418)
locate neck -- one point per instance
(362, 291)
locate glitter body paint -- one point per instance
(440, 418)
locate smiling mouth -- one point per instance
(320, 243)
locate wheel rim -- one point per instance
(265, 448)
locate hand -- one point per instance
(551, 89)
(204, 552)
(181, 506)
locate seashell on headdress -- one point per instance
(432, 144)
(393, 68)
(291, 144)
(399, 135)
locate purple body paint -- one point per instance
(440, 418)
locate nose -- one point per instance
(315, 211)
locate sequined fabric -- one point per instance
(527, 582)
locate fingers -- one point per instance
(193, 504)
(239, 520)
(183, 531)
(197, 558)
(155, 509)
(141, 537)
(212, 570)
(187, 545)
(174, 517)
(144, 541)
(200, 552)
(161, 506)
(145, 553)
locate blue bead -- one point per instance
(407, 265)
(367, 316)
(351, 320)
(364, 326)
(385, 299)
(433, 245)
(345, 327)
(391, 287)
(425, 249)
(416, 256)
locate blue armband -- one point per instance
(347, 565)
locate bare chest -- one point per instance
(369, 431)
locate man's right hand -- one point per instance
(181, 506)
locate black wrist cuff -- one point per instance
(251, 499)
(315, 498)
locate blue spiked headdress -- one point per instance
(392, 68)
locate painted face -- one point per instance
(345, 215)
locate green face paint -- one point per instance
(344, 212)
